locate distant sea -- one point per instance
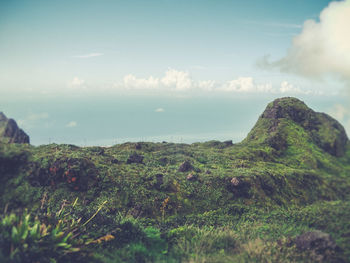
(108, 120)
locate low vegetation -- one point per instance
(165, 202)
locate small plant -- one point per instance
(54, 237)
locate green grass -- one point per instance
(289, 183)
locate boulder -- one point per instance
(135, 158)
(186, 166)
(235, 181)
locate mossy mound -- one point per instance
(290, 117)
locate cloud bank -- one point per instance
(322, 48)
(181, 81)
(173, 79)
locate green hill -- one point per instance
(203, 202)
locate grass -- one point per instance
(290, 181)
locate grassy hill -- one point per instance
(203, 202)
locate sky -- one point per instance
(104, 72)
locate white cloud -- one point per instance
(322, 48)
(131, 82)
(287, 87)
(76, 83)
(182, 82)
(71, 124)
(246, 84)
(90, 55)
(207, 85)
(178, 80)
(320, 51)
(241, 85)
(159, 110)
(173, 79)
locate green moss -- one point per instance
(288, 183)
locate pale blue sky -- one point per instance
(143, 38)
(92, 53)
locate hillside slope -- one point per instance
(293, 158)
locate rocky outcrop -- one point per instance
(10, 132)
(320, 245)
(274, 126)
(186, 166)
(135, 158)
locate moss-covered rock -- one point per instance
(273, 127)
